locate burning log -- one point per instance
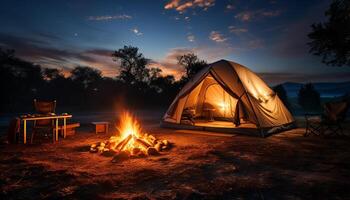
(123, 143)
(135, 151)
(158, 146)
(142, 143)
(151, 151)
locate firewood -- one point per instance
(93, 146)
(135, 151)
(148, 141)
(93, 150)
(100, 149)
(142, 143)
(165, 142)
(123, 143)
(113, 139)
(151, 151)
(152, 138)
(158, 146)
(141, 154)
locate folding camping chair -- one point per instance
(188, 115)
(44, 125)
(329, 123)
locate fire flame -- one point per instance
(128, 126)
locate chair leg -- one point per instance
(32, 137)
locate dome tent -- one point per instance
(228, 97)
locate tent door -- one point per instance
(218, 103)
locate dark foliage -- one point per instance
(192, 65)
(282, 94)
(331, 39)
(308, 98)
(132, 65)
(84, 87)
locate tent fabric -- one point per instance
(232, 91)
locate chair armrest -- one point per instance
(309, 116)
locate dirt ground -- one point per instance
(201, 165)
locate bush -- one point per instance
(309, 98)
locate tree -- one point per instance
(154, 73)
(282, 94)
(86, 76)
(192, 65)
(331, 39)
(51, 74)
(309, 98)
(132, 65)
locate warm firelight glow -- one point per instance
(130, 137)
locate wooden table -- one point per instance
(55, 117)
(101, 127)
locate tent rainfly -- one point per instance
(228, 97)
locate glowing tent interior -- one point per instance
(228, 97)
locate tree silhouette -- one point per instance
(192, 65)
(51, 74)
(132, 65)
(331, 39)
(308, 98)
(84, 87)
(282, 94)
(86, 76)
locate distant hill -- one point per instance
(325, 89)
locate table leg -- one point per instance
(56, 132)
(64, 128)
(24, 131)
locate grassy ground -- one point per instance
(200, 166)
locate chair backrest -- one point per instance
(44, 107)
(336, 111)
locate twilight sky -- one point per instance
(268, 36)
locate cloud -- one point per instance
(236, 30)
(136, 31)
(109, 17)
(247, 16)
(169, 64)
(182, 5)
(40, 52)
(191, 38)
(217, 36)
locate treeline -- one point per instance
(84, 87)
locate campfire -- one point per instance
(130, 142)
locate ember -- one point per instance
(131, 142)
